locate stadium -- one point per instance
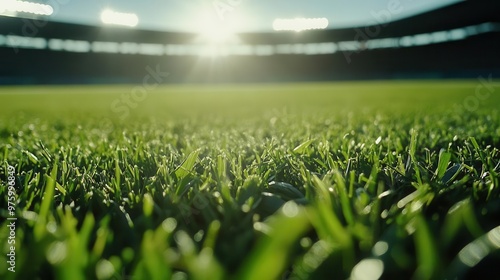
(89, 54)
(303, 151)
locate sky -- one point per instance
(241, 15)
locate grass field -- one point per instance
(392, 180)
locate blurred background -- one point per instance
(246, 41)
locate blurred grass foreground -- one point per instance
(391, 180)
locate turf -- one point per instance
(359, 180)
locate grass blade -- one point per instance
(187, 166)
(302, 148)
(444, 160)
(48, 197)
(270, 256)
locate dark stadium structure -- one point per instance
(457, 41)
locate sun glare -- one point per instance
(217, 34)
(213, 31)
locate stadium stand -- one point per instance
(457, 41)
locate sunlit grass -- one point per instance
(307, 181)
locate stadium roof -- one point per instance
(244, 15)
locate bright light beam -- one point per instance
(117, 18)
(13, 6)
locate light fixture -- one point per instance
(300, 24)
(117, 18)
(12, 7)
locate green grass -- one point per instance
(297, 181)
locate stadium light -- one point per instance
(300, 24)
(9, 7)
(117, 18)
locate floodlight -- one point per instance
(117, 18)
(300, 24)
(12, 7)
